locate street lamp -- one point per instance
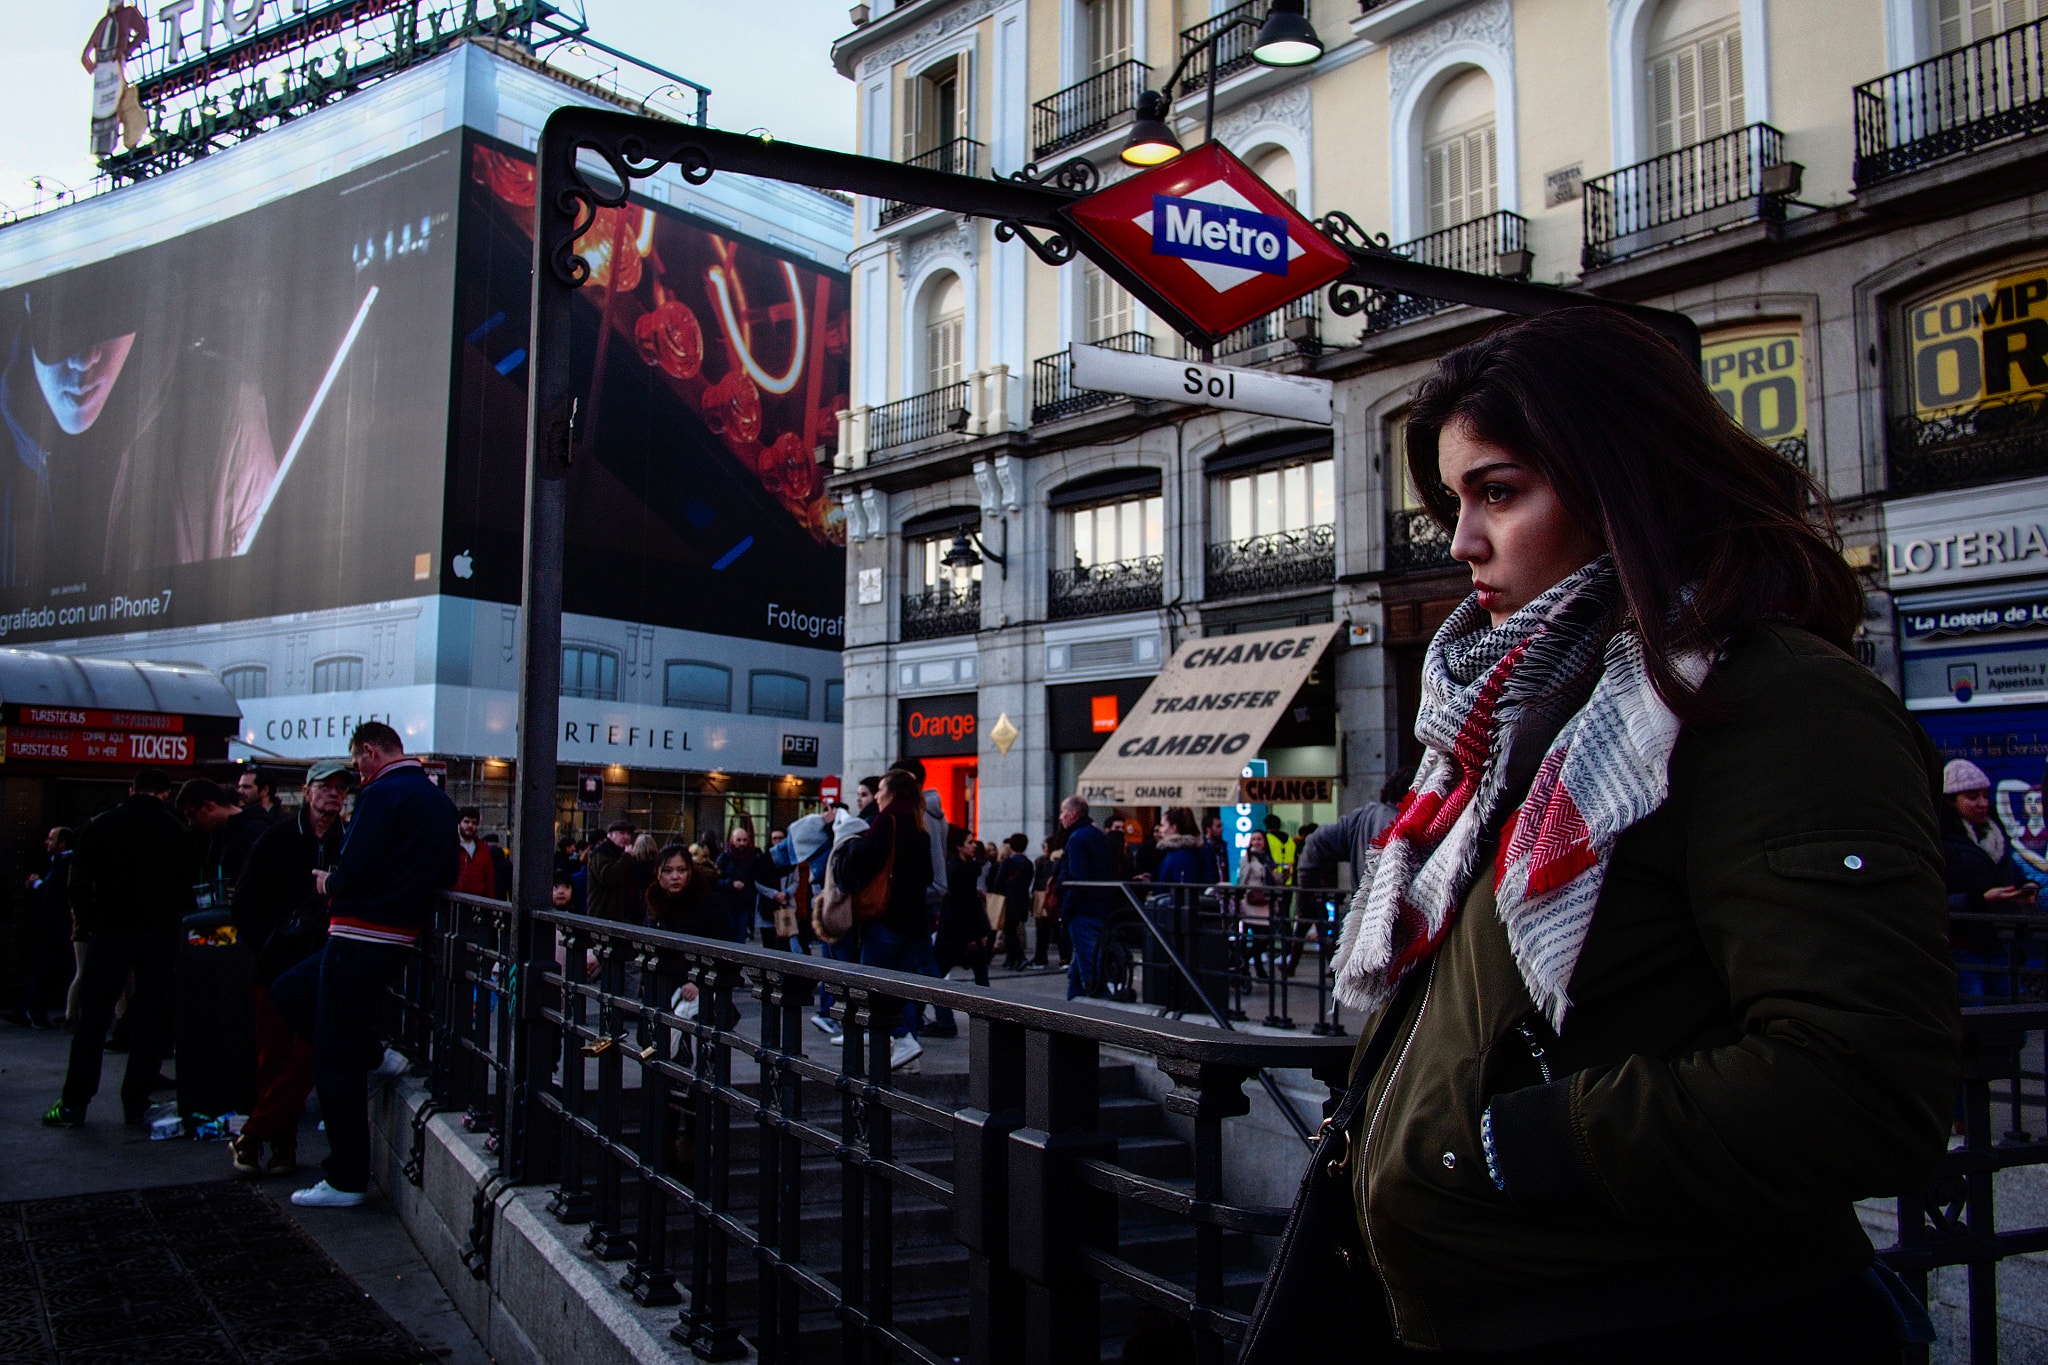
(966, 553)
(1286, 38)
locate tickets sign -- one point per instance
(1209, 238)
(67, 744)
(1983, 341)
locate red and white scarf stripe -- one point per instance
(1555, 701)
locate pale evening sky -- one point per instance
(766, 62)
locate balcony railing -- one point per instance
(1953, 104)
(1233, 49)
(1497, 244)
(961, 156)
(918, 417)
(1283, 559)
(1106, 589)
(2006, 439)
(1071, 116)
(1053, 394)
(1684, 194)
(1415, 541)
(1296, 329)
(941, 611)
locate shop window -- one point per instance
(592, 674)
(250, 682)
(1758, 375)
(697, 687)
(1117, 532)
(1460, 171)
(342, 673)
(1692, 80)
(1972, 401)
(784, 695)
(835, 701)
(1281, 498)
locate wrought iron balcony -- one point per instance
(1687, 193)
(1106, 589)
(1071, 116)
(1497, 244)
(1233, 50)
(1053, 394)
(1415, 541)
(1954, 104)
(1296, 329)
(2005, 439)
(961, 156)
(1283, 559)
(918, 417)
(940, 611)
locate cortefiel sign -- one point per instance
(1210, 709)
(1214, 240)
(1188, 381)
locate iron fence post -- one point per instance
(1052, 1214)
(981, 1208)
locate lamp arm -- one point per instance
(1001, 561)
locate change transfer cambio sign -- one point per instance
(1984, 341)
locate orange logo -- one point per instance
(1102, 713)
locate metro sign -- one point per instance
(1210, 238)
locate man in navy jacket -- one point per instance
(400, 851)
(1088, 858)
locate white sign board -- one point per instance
(1972, 535)
(1190, 381)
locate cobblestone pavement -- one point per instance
(46, 1163)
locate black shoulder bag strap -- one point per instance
(1321, 1300)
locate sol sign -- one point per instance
(1758, 376)
(1984, 341)
(1210, 238)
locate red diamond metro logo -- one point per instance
(1211, 238)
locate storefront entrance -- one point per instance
(942, 732)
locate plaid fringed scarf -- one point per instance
(1556, 701)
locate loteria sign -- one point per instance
(1202, 234)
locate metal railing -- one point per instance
(1106, 589)
(961, 156)
(1280, 559)
(918, 417)
(1960, 102)
(1233, 51)
(940, 611)
(1071, 116)
(1986, 442)
(1683, 194)
(1415, 541)
(1296, 329)
(1497, 244)
(1053, 395)
(821, 1203)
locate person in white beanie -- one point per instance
(1981, 875)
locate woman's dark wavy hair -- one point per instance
(1642, 456)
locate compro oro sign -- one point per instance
(1981, 341)
(1758, 375)
(1186, 741)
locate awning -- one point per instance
(1210, 709)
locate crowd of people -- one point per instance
(330, 909)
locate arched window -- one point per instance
(697, 687)
(249, 682)
(1111, 311)
(343, 673)
(1692, 74)
(1958, 23)
(784, 695)
(1275, 166)
(1460, 175)
(592, 674)
(945, 333)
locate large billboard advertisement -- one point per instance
(244, 421)
(711, 371)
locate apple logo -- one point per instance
(463, 565)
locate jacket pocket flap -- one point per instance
(1843, 858)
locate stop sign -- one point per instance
(828, 790)
(1212, 238)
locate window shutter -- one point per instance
(1663, 118)
(1734, 69)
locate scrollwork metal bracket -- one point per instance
(1077, 174)
(1054, 249)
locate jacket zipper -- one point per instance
(1537, 1052)
(1365, 1146)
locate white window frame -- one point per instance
(918, 297)
(1410, 194)
(1628, 53)
(1074, 39)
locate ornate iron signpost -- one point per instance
(590, 158)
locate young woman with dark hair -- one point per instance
(1652, 960)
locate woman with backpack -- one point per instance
(894, 925)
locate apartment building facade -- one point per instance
(1846, 196)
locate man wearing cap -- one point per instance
(399, 852)
(1981, 875)
(283, 920)
(611, 889)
